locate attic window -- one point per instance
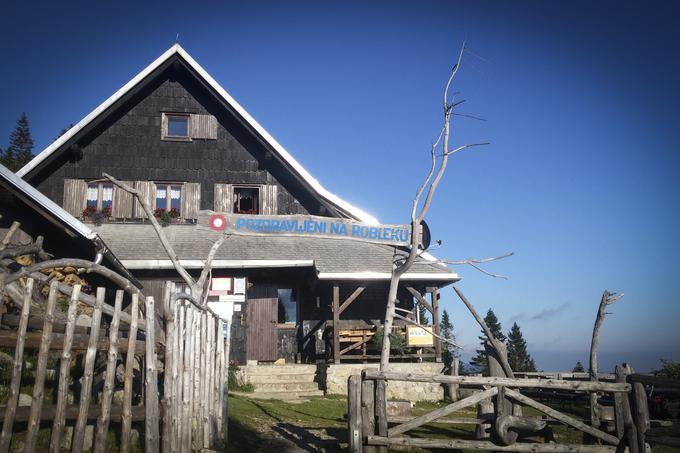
(246, 200)
(175, 126)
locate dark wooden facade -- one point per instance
(127, 141)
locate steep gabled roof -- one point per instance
(62, 143)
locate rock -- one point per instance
(118, 397)
(25, 400)
(280, 362)
(399, 408)
(84, 321)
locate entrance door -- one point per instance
(262, 316)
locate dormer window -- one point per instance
(175, 126)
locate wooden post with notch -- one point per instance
(336, 323)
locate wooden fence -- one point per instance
(372, 430)
(167, 369)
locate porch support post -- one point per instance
(336, 323)
(434, 295)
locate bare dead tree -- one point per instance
(420, 208)
(198, 286)
(608, 298)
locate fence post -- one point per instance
(354, 413)
(641, 411)
(367, 412)
(623, 411)
(151, 392)
(381, 410)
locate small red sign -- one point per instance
(218, 222)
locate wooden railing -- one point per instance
(371, 429)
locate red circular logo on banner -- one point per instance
(218, 222)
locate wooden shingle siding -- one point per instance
(122, 203)
(268, 202)
(75, 196)
(147, 190)
(191, 200)
(223, 198)
(203, 127)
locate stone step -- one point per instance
(256, 379)
(278, 369)
(286, 387)
(283, 396)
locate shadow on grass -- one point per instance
(243, 439)
(311, 439)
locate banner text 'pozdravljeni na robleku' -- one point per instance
(297, 225)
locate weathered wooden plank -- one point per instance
(178, 373)
(367, 412)
(443, 421)
(210, 369)
(357, 292)
(75, 196)
(10, 410)
(79, 342)
(41, 367)
(151, 384)
(64, 373)
(498, 381)
(168, 393)
(223, 198)
(562, 417)
(122, 203)
(442, 412)
(434, 298)
(622, 372)
(71, 412)
(459, 444)
(224, 387)
(381, 410)
(187, 396)
(203, 381)
(354, 413)
(419, 297)
(107, 394)
(336, 318)
(219, 396)
(191, 200)
(86, 388)
(126, 419)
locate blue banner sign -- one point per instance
(297, 225)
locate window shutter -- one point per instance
(147, 190)
(268, 205)
(122, 203)
(75, 196)
(203, 127)
(191, 200)
(223, 198)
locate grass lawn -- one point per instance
(321, 425)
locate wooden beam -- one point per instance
(419, 297)
(357, 292)
(8, 339)
(562, 417)
(434, 295)
(455, 444)
(585, 386)
(442, 412)
(336, 323)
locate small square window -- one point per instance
(175, 126)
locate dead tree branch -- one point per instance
(474, 262)
(608, 298)
(493, 341)
(419, 210)
(30, 249)
(197, 286)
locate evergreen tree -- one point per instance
(518, 356)
(579, 368)
(478, 363)
(20, 149)
(446, 331)
(424, 320)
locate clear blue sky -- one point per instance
(581, 180)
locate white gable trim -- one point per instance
(177, 49)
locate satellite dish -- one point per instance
(425, 236)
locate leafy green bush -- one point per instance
(233, 384)
(397, 341)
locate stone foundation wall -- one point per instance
(336, 380)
